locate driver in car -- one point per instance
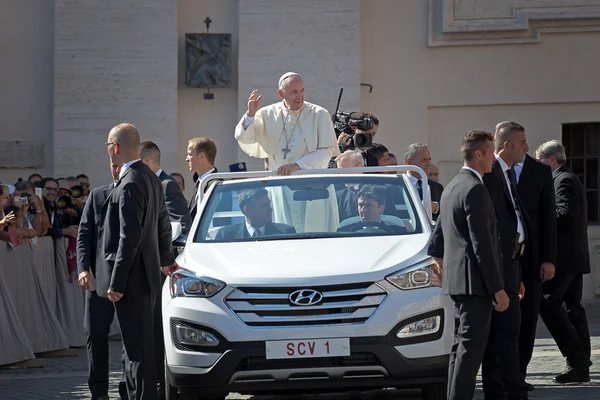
(256, 207)
(371, 205)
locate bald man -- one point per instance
(136, 243)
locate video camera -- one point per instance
(348, 122)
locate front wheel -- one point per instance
(434, 391)
(171, 391)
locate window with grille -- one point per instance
(582, 145)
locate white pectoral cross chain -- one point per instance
(287, 149)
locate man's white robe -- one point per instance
(312, 145)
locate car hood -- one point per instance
(314, 261)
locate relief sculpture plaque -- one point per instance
(208, 60)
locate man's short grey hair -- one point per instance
(353, 157)
(248, 195)
(411, 151)
(553, 148)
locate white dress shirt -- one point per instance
(252, 229)
(159, 172)
(520, 228)
(475, 172)
(125, 167)
(519, 168)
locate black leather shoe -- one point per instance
(573, 375)
(528, 386)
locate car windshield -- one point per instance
(308, 207)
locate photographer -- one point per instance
(18, 223)
(58, 211)
(32, 206)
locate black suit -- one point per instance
(467, 226)
(224, 205)
(99, 311)
(569, 328)
(239, 231)
(177, 206)
(178, 210)
(348, 206)
(136, 243)
(537, 196)
(500, 368)
(436, 189)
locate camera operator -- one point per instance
(32, 207)
(345, 139)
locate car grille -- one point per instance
(271, 307)
(354, 360)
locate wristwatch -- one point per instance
(40, 211)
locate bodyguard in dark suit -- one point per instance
(418, 154)
(500, 368)
(256, 207)
(471, 276)
(534, 185)
(136, 243)
(568, 325)
(99, 311)
(177, 207)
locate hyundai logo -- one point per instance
(306, 297)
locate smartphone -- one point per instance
(38, 192)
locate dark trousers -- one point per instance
(565, 317)
(472, 318)
(136, 318)
(500, 367)
(99, 314)
(530, 309)
(159, 340)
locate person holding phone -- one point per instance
(33, 206)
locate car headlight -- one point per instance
(418, 278)
(185, 283)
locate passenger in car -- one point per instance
(371, 206)
(256, 207)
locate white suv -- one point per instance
(335, 293)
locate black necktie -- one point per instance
(512, 178)
(515, 195)
(256, 233)
(420, 188)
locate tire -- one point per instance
(434, 391)
(170, 391)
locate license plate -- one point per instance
(310, 348)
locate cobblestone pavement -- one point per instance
(66, 377)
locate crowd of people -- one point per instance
(498, 225)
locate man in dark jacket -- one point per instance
(568, 325)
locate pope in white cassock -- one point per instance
(292, 135)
